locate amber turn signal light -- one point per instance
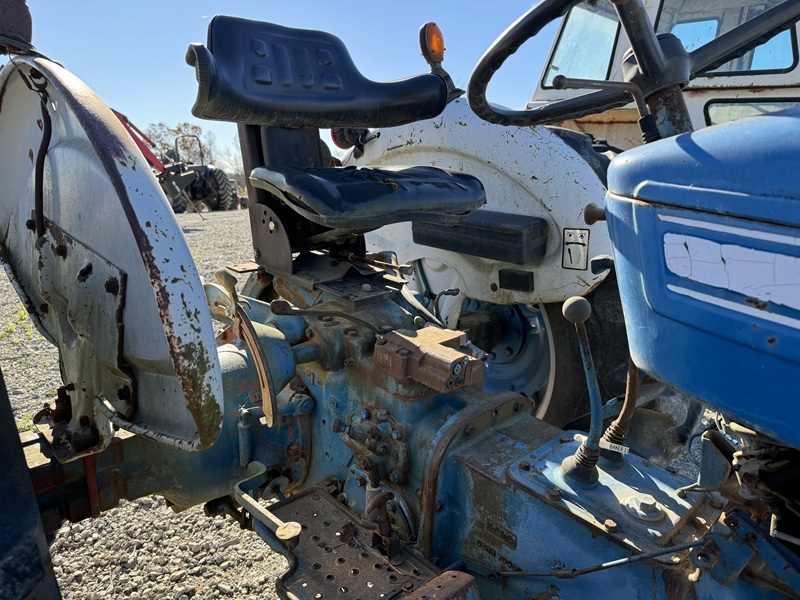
(431, 42)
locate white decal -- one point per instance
(764, 276)
(747, 233)
(735, 307)
(575, 249)
(614, 447)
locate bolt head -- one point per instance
(647, 503)
(366, 287)
(554, 494)
(645, 508)
(610, 525)
(457, 368)
(525, 465)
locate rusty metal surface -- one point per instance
(430, 356)
(668, 106)
(85, 296)
(450, 585)
(482, 411)
(338, 557)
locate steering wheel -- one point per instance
(644, 43)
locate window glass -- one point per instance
(720, 111)
(694, 34)
(696, 23)
(587, 27)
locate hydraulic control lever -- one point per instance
(582, 466)
(287, 532)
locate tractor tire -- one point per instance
(222, 191)
(568, 395)
(179, 205)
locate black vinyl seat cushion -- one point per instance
(361, 199)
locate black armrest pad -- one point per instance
(265, 74)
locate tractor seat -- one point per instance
(265, 74)
(362, 199)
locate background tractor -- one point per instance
(184, 183)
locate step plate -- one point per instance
(334, 556)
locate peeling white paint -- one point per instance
(766, 276)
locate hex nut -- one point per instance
(610, 525)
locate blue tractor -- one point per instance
(335, 392)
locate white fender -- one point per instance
(526, 171)
(111, 281)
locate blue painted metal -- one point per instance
(521, 359)
(473, 475)
(689, 322)
(731, 549)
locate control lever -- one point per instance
(582, 466)
(287, 532)
(244, 330)
(647, 123)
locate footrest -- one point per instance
(363, 198)
(335, 559)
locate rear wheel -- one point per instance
(534, 351)
(179, 204)
(566, 396)
(222, 192)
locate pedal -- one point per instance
(335, 557)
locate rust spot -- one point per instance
(85, 272)
(756, 303)
(678, 586)
(771, 341)
(294, 452)
(112, 286)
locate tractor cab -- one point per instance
(590, 45)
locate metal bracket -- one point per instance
(85, 296)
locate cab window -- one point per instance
(696, 23)
(587, 26)
(723, 111)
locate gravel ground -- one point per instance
(142, 549)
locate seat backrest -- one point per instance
(264, 74)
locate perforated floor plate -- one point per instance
(334, 557)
